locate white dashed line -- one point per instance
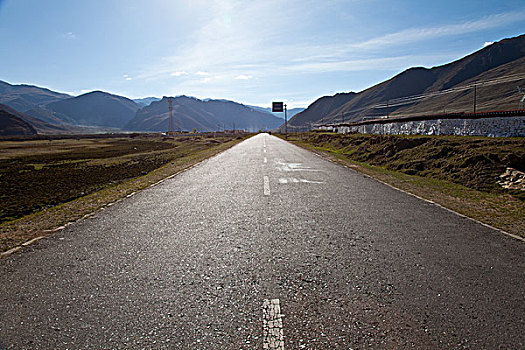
(264, 150)
(265, 160)
(266, 186)
(273, 337)
(286, 180)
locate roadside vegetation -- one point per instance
(46, 183)
(460, 173)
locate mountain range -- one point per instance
(204, 115)
(495, 71)
(49, 112)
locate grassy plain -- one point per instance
(460, 173)
(47, 183)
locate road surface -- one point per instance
(267, 246)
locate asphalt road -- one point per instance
(263, 235)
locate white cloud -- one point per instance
(253, 40)
(353, 65)
(488, 43)
(419, 34)
(69, 36)
(178, 74)
(243, 77)
(127, 77)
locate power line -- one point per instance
(408, 99)
(400, 101)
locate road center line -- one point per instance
(266, 186)
(264, 150)
(273, 337)
(265, 160)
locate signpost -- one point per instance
(281, 107)
(277, 106)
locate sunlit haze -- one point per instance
(252, 52)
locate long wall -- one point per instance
(492, 127)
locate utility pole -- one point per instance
(285, 122)
(475, 93)
(171, 129)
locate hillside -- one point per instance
(95, 108)
(26, 97)
(500, 60)
(40, 126)
(208, 115)
(11, 125)
(321, 107)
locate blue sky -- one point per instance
(252, 52)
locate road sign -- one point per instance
(277, 107)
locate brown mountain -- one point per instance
(322, 107)
(450, 87)
(204, 115)
(10, 124)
